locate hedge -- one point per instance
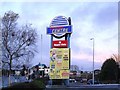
(37, 83)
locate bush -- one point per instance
(38, 83)
(34, 84)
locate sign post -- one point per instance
(60, 49)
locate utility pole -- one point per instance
(41, 51)
(41, 47)
(93, 60)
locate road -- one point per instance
(72, 86)
(77, 86)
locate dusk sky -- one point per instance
(98, 20)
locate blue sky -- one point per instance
(97, 20)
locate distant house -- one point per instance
(47, 71)
(42, 69)
(74, 68)
(74, 71)
(97, 71)
(41, 66)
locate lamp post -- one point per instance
(41, 51)
(41, 47)
(93, 61)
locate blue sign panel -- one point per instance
(60, 30)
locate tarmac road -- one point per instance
(84, 87)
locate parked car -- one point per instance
(72, 80)
(84, 80)
(90, 81)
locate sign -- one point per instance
(59, 21)
(64, 74)
(59, 30)
(59, 60)
(59, 27)
(60, 44)
(59, 74)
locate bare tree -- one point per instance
(18, 42)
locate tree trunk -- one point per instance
(10, 70)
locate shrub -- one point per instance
(38, 83)
(34, 84)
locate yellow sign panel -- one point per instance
(64, 74)
(65, 61)
(59, 58)
(59, 62)
(59, 74)
(52, 73)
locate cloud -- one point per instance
(86, 65)
(89, 20)
(12, 6)
(107, 15)
(70, 1)
(93, 20)
(85, 25)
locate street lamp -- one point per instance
(93, 60)
(41, 47)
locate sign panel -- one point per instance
(59, 58)
(64, 74)
(60, 27)
(59, 20)
(59, 30)
(60, 44)
(59, 74)
(59, 63)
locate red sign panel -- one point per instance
(60, 44)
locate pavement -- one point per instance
(71, 86)
(14, 79)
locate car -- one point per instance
(90, 81)
(72, 80)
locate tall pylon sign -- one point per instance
(60, 28)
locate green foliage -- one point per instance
(34, 84)
(109, 71)
(38, 83)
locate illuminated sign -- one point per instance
(59, 30)
(60, 44)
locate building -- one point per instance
(41, 69)
(74, 71)
(74, 68)
(47, 70)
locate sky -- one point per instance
(98, 20)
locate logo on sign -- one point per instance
(60, 44)
(59, 31)
(65, 74)
(59, 26)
